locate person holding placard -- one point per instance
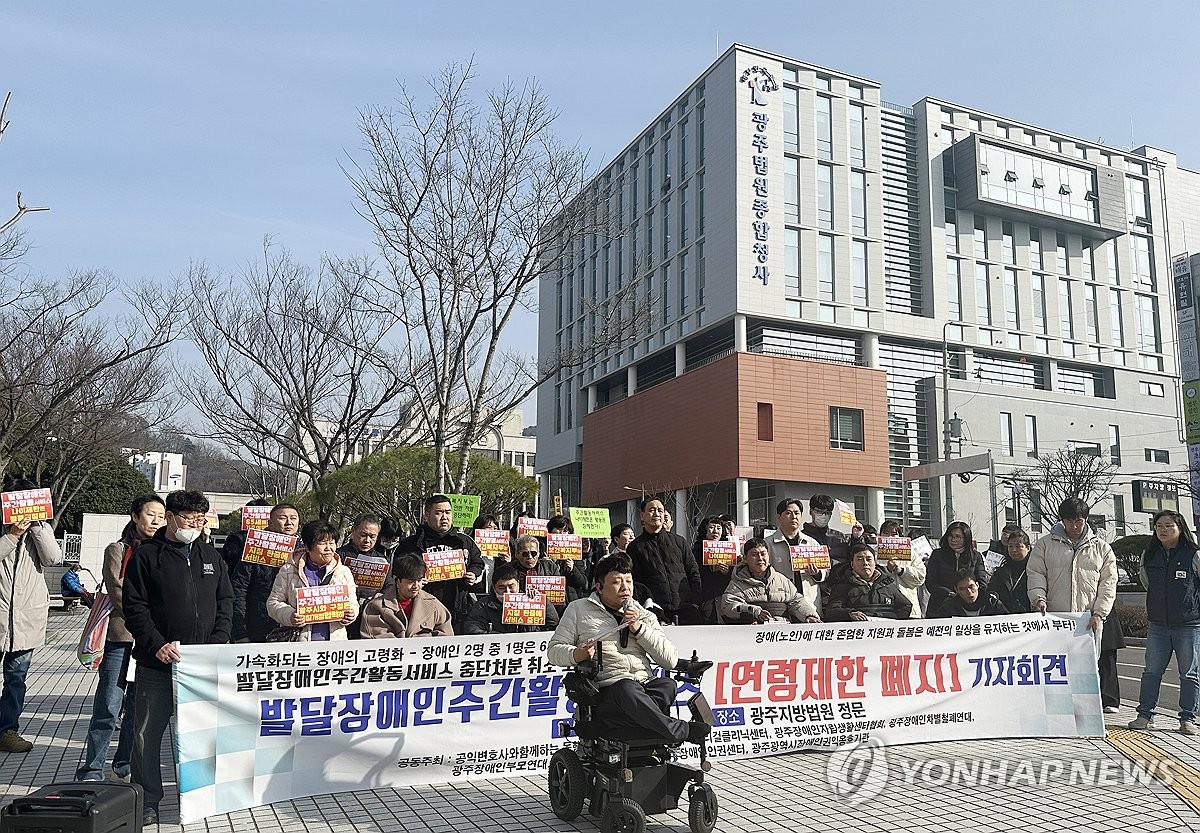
(25, 549)
(663, 562)
(572, 568)
(360, 555)
(252, 582)
(715, 568)
(787, 534)
(402, 608)
(487, 616)
(866, 592)
(235, 542)
(956, 552)
(316, 565)
(528, 561)
(758, 593)
(436, 534)
(910, 572)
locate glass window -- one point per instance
(846, 429)
(700, 274)
(700, 135)
(825, 196)
(791, 120)
(1142, 250)
(1031, 441)
(1118, 325)
(1157, 455)
(1012, 311)
(981, 248)
(824, 127)
(1037, 285)
(683, 284)
(1151, 388)
(791, 189)
(1035, 249)
(1007, 252)
(683, 215)
(1088, 260)
(825, 284)
(858, 202)
(951, 231)
(650, 184)
(953, 289)
(1064, 264)
(1066, 319)
(791, 262)
(1137, 201)
(858, 263)
(666, 159)
(684, 158)
(1110, 257)
(1149, 340)
(1006, 434)
(700, 204)
(1114, 444)
(666, 228)
(983, 295)
(858, 136)
(1119, 515)
(766, 422)
(666, 294)
(1091, 313)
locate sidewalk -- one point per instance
(785, 793)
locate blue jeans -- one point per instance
(1161, 641)
(12, 699)
(154, 704)
(111, 697)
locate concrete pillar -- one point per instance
(631, 380)
(679, 513)
(680, 358)
(870, 350)
(631, 512)
(591, 398)
(739, 335)
(874, 507)
(742, 489)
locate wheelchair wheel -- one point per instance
(566, 784)
(623, 816)
(702, 809)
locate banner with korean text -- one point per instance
(269, 722)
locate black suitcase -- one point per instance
(76, 807)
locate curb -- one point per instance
(1135, 642)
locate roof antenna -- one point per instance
(717, 43)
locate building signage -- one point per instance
(1191, 412)
(1152, 496)
(1182, 274)
(760, 82)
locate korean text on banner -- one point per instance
(531, 526)
(894, 548)
(465, 509)
(270, 548)
(308, 718)
(554, 588)
(562, 546)
(719, 552)
(27, 506)
(441, 565)
(591, 523)
(519, 609)
(211, 519)
(256, 517)
(810, 555)
(843, 519)
(323, 603)
(369, 571)
(492, 542)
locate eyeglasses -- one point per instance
(190, 520)
(529, 553)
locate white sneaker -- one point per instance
(1111, 710)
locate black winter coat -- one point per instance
(428, 540)
(252, 585)
(488, 613)
(664, 563)
(1011, 585)
(940, 570)
(881, 597)
(987, 604)
(173, 592)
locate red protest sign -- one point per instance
(27, 506)
(369, 571)
(554, 588)
(323, 603)
(563, 546)
(492, 542)
(256, 517)
(810, 555)
(531, 526)
(895, 548)
(442, 565)
(520, 609)
(270, 548)
(720, 552)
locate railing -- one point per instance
(887, 105)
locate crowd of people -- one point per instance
(169, 586)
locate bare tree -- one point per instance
(297, 367)
(1068, 472)
(471, 201)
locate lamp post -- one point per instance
(949, 498)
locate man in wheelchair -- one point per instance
(612, 637)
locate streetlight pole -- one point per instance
(949, 498)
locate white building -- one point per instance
(165, 471)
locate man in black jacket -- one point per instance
(252, 583)
(435, 535)
(664, 563)
(176, 591)
(865, 591)
(487, 616)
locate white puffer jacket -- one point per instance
(1082, 579)
(281, 604)
(586, 619)
(24, 599)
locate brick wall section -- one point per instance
(702, 427)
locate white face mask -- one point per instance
(390, 545)
(187, 535)
(821, 521)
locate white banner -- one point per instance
(269, 722)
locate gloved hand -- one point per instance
(753, 611)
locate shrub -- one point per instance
(1129, 555)
(1133, 620)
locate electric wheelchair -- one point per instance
(624, 781)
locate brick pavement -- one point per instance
(784, 793)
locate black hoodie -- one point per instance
(426, 540)
(174, 592)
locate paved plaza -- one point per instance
(785, 793)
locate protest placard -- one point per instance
(719, 552)
(843, 519)
(256, 517)
(26, 506)
(270, 548)
(492, 542)
(441, 565)
(520, 609)
(921, 548)
(810, 555)
(323, 603)
(465, 508)
(563, 546)
(369, 571)
(531, 526)
(554, 588)
(212, 520)
(590, 523)
(894, 548)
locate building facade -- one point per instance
(833, 278)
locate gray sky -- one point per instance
(165, 133)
